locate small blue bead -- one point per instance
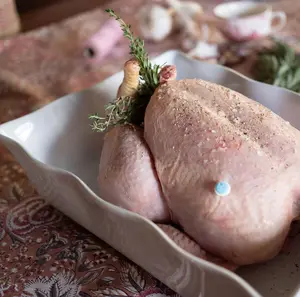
(222, 188)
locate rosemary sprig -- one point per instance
(130, 109)
(279, 66)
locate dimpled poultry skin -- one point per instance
(196, 134)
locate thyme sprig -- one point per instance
(148, 72)
(116, 113)
(125, 110)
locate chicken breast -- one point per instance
(199, 134)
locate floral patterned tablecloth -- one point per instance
(42, 252)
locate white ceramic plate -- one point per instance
(60, 153)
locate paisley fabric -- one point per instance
(42, 252)
(45, 254)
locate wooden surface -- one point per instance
(54, 11)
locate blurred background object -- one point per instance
(26, 5)
(38, 13)
(9, 18)
(33, 14)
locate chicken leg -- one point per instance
(127, 176)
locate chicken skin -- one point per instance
(197, 134)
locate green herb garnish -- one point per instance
(148, 73)
(117, 112)
(125, 110)
(279, 66)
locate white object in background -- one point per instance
(185, 13)
(246, 20)
(155, 22)
(185, 16)
(204, 50)
(191, 8)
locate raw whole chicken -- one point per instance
(197, 134)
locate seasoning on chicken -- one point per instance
(200, 133)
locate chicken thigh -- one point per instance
(127, 176)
